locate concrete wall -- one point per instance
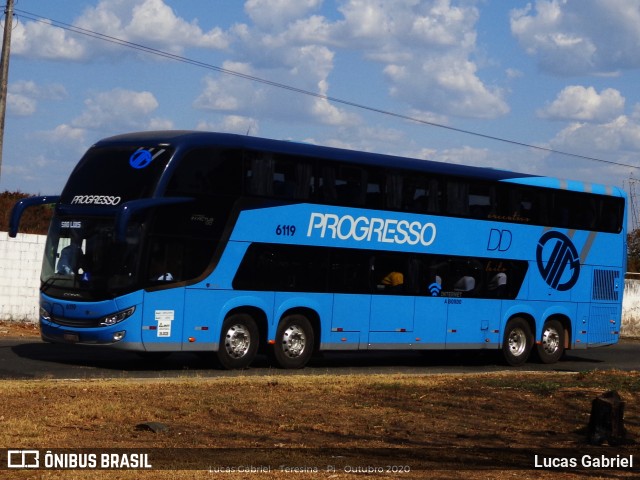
(21, 259)
(631, 309)
(20, 264)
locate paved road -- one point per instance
(30, 358)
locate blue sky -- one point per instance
(558, 74)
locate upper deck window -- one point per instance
(113, 175)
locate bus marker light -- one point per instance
(271, 342)
(202, 328)
(401, 329)
(343, 339)
(418, 340)
(192, 339)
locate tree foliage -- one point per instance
(35, 220)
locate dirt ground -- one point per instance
(323, 426)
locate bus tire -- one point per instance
(238, 342)
(294, 342)
(518, 342)
(551, 346)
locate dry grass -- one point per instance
(275, 415)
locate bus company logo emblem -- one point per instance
(561, 267)
(140, 159)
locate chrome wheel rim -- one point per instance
(237, 341)
(294, 341)
(550, 341)
(517, 342)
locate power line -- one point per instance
(225, 71)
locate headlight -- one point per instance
(117, 317)
(44, 314)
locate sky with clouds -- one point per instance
(558, 74)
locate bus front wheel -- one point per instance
(238, 342)
(551, 346)
(294, 342)
(518, 342)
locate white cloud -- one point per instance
(20, 105)
(23, 96)
(614, 137)
(585, 104)
(160, 124)
(65, 133)
(44, 41)
(446, 84)
(306, 67)
(146, 22)
(426, 50)
(232, 124)
(275, 14)
(118, 109)
(570, 37)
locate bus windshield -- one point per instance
(82, 257)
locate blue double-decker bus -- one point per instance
(234, 245)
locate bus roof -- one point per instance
(186, 139)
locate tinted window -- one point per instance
(278, 176)
(273, 267)
(207, 172)
(125, 173)
(282, 268)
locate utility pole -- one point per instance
(4, 70)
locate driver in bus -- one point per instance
(70, 257)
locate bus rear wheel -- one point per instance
(551, 345)
(238, 342)
(294, 342)
(518, 342)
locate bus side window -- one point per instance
(349, 271)
(457, 198)
(292, 178)
(351, 185)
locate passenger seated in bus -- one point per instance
(393, 282)
(498, 285)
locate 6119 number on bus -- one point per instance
(286, 230)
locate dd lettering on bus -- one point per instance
(499, 240)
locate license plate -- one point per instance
(71, 337)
